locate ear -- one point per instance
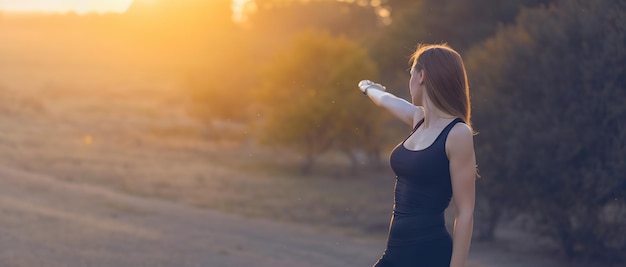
(421, 77)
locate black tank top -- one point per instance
(422, 192)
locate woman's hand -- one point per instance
(364, 85)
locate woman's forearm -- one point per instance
(462, 237)
(377, 96)
(399, 107)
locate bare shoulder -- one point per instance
(460, 140)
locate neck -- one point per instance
(433, 115)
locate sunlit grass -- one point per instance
(121, 122)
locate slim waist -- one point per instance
(411, 229)
(412, 211)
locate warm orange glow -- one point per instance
(54, 6)
(82, 6)
(88, 140)
(151, 35)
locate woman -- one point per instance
(435, 162)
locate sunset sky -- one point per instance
(78, 6)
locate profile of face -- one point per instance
(416, 85)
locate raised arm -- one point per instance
(402, 109)
(460, 150)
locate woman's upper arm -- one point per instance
(402, 109)
(460, 150)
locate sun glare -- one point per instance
(61, 6)
(86, 6)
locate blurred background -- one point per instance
(250, 107)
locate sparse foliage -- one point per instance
(313, 104)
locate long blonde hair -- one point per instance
(445, 79)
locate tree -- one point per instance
(459, 23)
(270, 24)
(312, 101)
(551, 93)
(227, 69)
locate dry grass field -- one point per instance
(93, 121)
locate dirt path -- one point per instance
(47, 222)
